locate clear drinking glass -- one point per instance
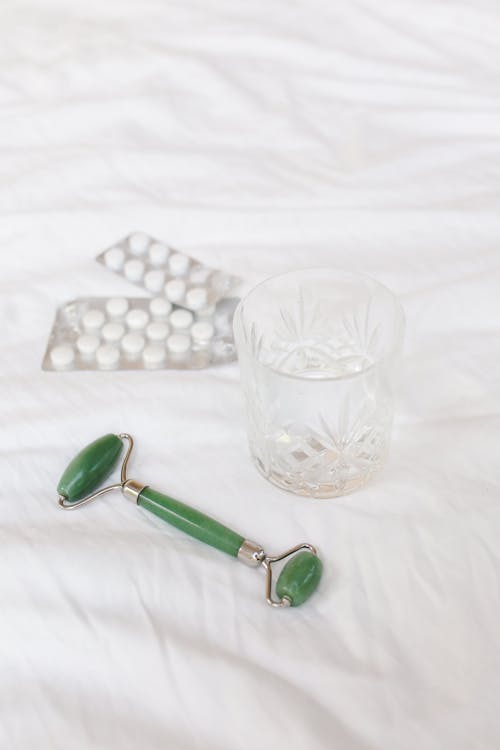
(317, 350)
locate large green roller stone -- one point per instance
(299, 578)
(88, 470)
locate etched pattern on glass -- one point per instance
(309, 341)
(336, 449)
(324, 458)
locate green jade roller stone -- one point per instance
(90, 467)
(299, 578)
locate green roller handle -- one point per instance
(191, 521)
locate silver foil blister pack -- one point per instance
(160, 270)
(126, 333)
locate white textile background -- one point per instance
(259, 136)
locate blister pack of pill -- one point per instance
(161, 270)
(120, 333)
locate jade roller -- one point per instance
(299, 576)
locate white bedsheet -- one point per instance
(261, 136)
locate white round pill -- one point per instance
(157, 331)
(174, 290)
(178, 264)
(87, 344)
(137, 319)
(138, 243)
(114, 258)
(112, 332)
(133, 344)
(207, 312)
(159, 307)
(158, 253)
(199, 274)
(116, 307)
(154, 280)
(180, 319)
(196, 298)
(93, 320)
(154, 355)
(202, 331)
(134, 269)
(178, 343)
(108, 356)
(62, 356)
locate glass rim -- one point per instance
(399, 314)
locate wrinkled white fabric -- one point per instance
(260, 136)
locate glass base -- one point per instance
(334, 486)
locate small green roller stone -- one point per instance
(299, 578)
(90, 467)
